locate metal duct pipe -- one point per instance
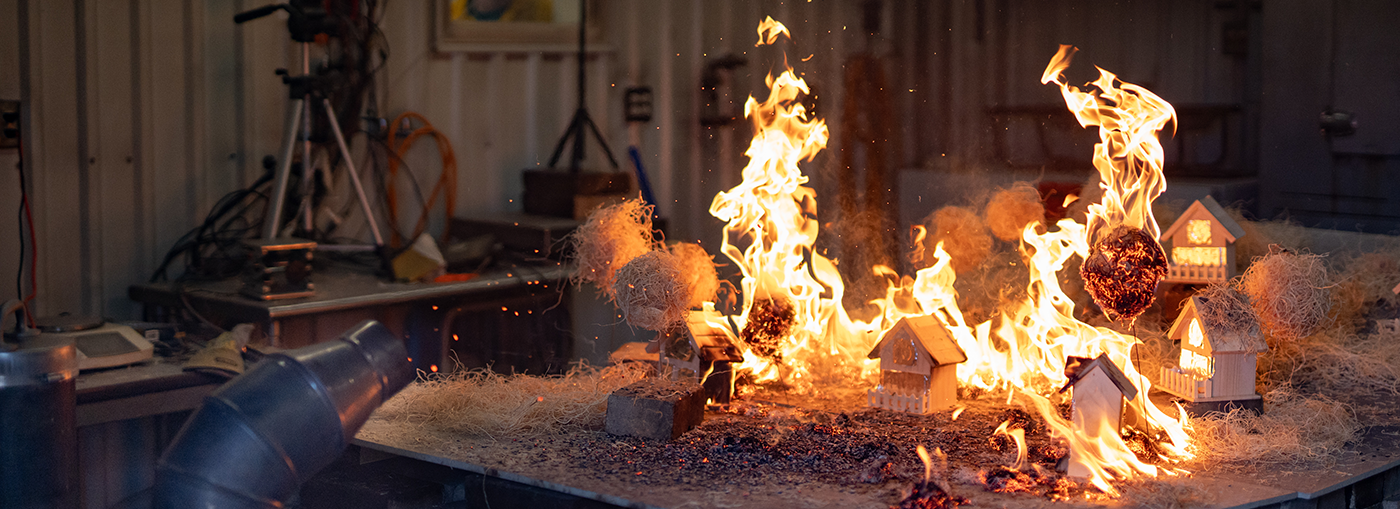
(256, 439)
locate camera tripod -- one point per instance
(306, 20)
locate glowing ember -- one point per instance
(1006, 480)
(1123, 271)
(928, 494)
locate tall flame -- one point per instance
(794, 293)
(771, 225)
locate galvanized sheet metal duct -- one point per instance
(255, 440)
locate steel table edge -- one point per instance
(509, 476)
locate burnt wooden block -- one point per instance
(656, 408)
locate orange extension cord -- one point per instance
(446, 184)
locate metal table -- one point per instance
(1366, 476)
(420, 312)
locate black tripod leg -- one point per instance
(559, 147)
(594, 127)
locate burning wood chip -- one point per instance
(1002, 479)
(1123, 270)
(1036, 481)
(769, 322)
(927, 495)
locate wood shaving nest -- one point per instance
(484, 403)
(1011, 209)
(698, 267)
(1228, 310)
(611, 237)
(963, 235)
(1289, 292)
(652, 291)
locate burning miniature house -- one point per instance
(918, 367)
(1218, 361)
(1096, 402)
(702, 352)
(1203, 244)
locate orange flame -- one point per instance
(771, 225)
(1019, 436)
(769, 30)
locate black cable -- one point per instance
(210, 232)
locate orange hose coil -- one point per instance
(446, 184)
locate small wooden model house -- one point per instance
(918, 367)
(1218, 361)
(1202, 244)
(1096, 408)
(702, 352)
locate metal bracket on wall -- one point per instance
(9, 124)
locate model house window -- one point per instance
(1199, 256)
(1192, 361)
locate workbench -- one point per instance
(424, 314)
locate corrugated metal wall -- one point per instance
(143, 112)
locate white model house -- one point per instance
(1217, 363)
(1202, 244)
(918, 367)
(702, 352)
(1098, 389)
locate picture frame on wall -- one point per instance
(512, 25)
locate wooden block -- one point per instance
(552, 192)
(656, 408)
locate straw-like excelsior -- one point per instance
(698, 270)
(652, 291)
(963, 235)
(1011, 209)
(1289, 292)
(611, 237)
(485, 403)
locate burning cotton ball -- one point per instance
(698, 268)
(963, 235)
(1011, 209)
(1289, 291)
(1123, 270)
(611, 237)
(651, 291)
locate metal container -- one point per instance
(39, 430)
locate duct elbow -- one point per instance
(256, 439)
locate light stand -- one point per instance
(581, 119)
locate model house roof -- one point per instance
(1076, 368)
(713, 342)
(1206, 205)
(929, 335)
(1222, 337)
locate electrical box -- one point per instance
(9, 124)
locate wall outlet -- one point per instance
(9, 124)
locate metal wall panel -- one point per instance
(192, 100)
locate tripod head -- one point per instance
(307, 18)
(313, 84)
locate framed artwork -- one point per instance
(512, 25)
